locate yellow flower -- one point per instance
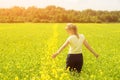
(92, 76)
(64, 76)
(101, 72)
(33, 78)
(16, 78)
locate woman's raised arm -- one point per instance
(89, 48)
(60, 49)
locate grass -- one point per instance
(26, 49)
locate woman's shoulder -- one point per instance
(70, 37)
(81, 34)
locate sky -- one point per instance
(110, 5)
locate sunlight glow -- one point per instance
(67, 4)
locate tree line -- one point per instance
(56, 14)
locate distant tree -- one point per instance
(56, 14)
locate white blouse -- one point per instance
(76, 43)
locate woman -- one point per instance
(74, 59)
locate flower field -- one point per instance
(26, 50)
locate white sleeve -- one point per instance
(83, 36)
(69, 39)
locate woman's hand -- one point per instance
(96, 55)
(54, 55)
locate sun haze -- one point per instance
(67, 4)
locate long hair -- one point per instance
(73, 27)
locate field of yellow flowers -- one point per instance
(26, 49)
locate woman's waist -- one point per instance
(74, 56)
(75, 50)
(75, 53)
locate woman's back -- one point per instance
(76, 43)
